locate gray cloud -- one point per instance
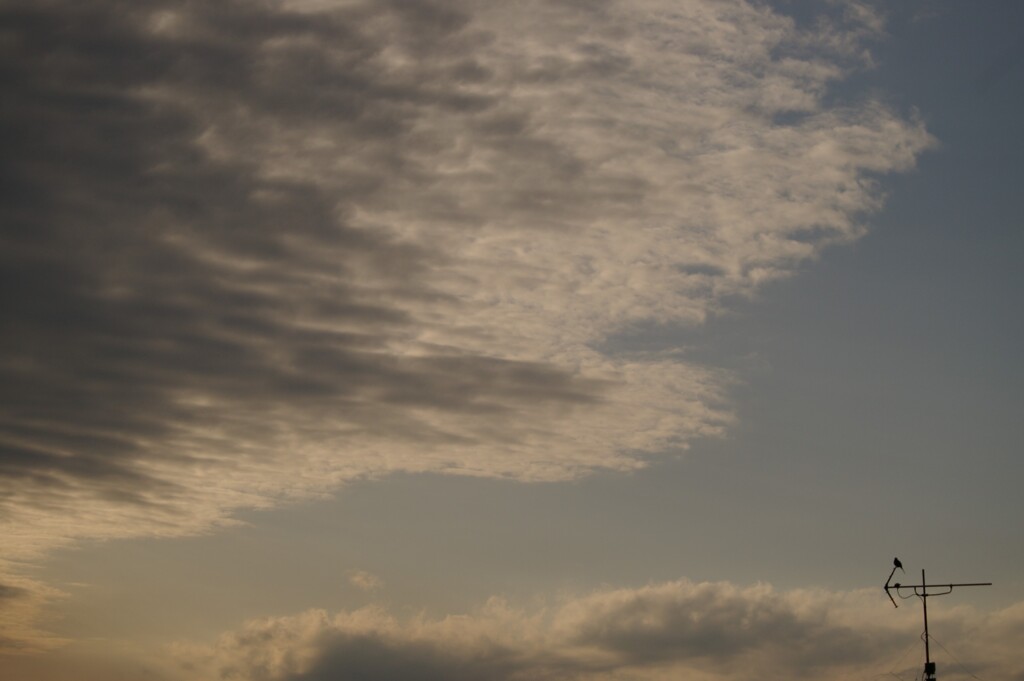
(669, 630)
(9, 592)
(718, 624)
(253, 250)
(153, 294)
(22, 601)
(372, 657)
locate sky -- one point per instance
(609, 340)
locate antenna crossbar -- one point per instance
(897, 585)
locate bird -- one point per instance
(896, 562)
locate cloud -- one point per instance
(254, 250)
(8, 592)
(365, 581)
(667, 630)
(22, 602)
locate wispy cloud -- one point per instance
(253, 250)
(365, 581)
(22, 602)
(667, 630)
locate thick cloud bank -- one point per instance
(251, 250)
(713, 631)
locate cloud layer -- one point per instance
(663, 631)
(254, 249)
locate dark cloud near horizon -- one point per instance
(663, 630)
(349, 658)
(718, 624)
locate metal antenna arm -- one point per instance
(887, 587)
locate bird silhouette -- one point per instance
(897, 563)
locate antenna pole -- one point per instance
(921, 591)
(929, 667)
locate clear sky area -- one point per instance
(502, 341)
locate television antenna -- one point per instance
(921, 591)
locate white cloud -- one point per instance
(265, 248)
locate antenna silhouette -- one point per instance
(921, 591)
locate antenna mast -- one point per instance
(921, 591)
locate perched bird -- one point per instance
(897, 563)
